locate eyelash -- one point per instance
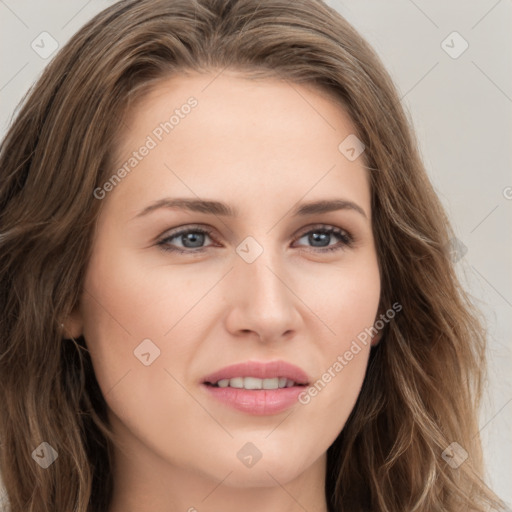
(346, 239)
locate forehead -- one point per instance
(210, 134)
(231, 101)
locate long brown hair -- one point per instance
(424, 380)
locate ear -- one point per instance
(72, 325)
(376, 339)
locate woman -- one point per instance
(225, 276)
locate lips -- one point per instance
(259, 370)
(253, 398)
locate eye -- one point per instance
(321, 235)
(191, 238)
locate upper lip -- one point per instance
(260, 370)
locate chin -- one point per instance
(264, 474)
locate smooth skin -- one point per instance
(263, 147)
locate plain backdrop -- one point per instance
(452, 64)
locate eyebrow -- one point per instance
(219, 208)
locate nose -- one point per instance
(261, 300)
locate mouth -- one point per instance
(254, 383)
(257, 388)
(253, 375)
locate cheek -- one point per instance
(344, 298)
(129, 300)
(346, 301)
(118, 313)
(126, 297)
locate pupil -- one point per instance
(196, 238)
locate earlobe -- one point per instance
(378, 336)
(380, 332)
(72, 326)
(376, 339)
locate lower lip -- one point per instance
(259, 402)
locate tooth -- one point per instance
(252, 383)
(236, 382)
(271, 383)
(255, 383)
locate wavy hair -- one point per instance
(424, 379)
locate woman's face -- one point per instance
(267, 281)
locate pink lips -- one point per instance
(257, 401)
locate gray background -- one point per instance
(461, 108)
